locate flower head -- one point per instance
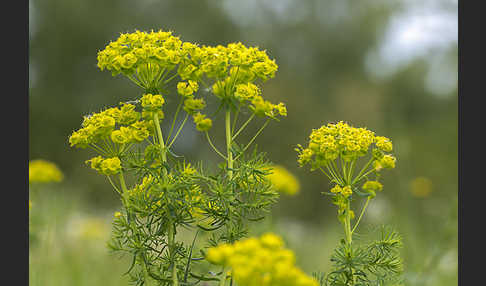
(42, 171)
(340, 140)
(260, 261)
(283, 181)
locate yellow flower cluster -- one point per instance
(386, 162)
(283, 181)
(260, 261)
(101, 126)
(332, 141)
(187, 88)
(263, 107)
(371, 187)
(192, 104)
(234, 69)
(145, 57)
(250, 61)
(346, 191)
(108, 166)
(148, 54)
(42, 171)
(151, 102)
(202, 123)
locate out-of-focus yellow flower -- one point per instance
(42, 171)
(421, 187)
(284, 181)
(260, 261)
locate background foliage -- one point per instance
(388, 65)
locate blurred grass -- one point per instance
(68, 241)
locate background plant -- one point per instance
(337, 151)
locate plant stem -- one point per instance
(362, 212)
(178, 131)
(222, 282)
(229, 154)
(214, 147)
(349, 234)
(253, 139)
(161, 139)
(146, 275)
(347, 228)
(171, 233)
(362, 170)
(175, 116)
(125, 189)
(171, 236)
(243, 126)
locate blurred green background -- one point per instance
(390, 66)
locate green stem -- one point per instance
(364, 175)
(175, 116)
(362, 212)
(229, 154)
(214, 147)
(222, 282)
(243, 126)
(235, 119)
(349, 234)
(347, 230)
(362, 170)
(178, 131)
(161, 139)
(253, 139)
(336, 177)
(329, 177)
(146, 275)
(113, 185)
(122, 183)
(351, 171)
(171, 237)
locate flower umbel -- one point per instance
(260, 261)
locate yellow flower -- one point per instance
(187, 88)
(192, 104)
(111, 166)
(202, 123)
(332, 141)
(151, 102)
(421, 187)
(246, 91)
(373, 186)
(260, 261)
(384, 143)
(42, 171)
(336, 189)
(283, 181)
(346, 191)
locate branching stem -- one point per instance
(229, 154)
